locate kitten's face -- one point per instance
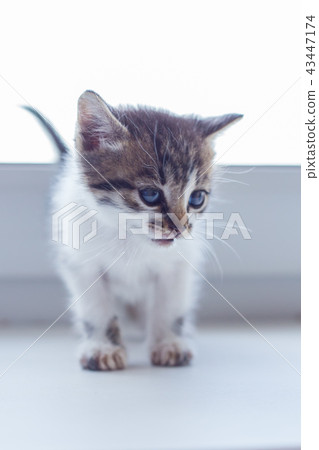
(148, 161)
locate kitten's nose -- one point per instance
(175, 232)
(171, 233)
(176, 228)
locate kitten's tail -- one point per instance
(55, 136)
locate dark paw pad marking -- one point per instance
(113, 332)
(185, 359)
(92, 364)
(88, 328)
(178, 326)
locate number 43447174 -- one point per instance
(310, 31)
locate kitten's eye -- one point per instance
(196, 199)
(150, 196)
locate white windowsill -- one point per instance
(238, 394)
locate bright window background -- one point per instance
(203, 57)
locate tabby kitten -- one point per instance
(150, 162)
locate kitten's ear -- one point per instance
(97, 126)
(212, 125)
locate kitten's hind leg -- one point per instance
(95, 316)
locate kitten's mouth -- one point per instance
(167, 239)
(164, 242)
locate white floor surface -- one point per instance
(238, 394)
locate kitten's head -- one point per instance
(147, 160)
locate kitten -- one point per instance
(145, 161)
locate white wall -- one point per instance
(206, 57)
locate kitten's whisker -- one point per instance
(170, 131)
(154, 141)
(212, 236)
(230, 180)
(213, 254)
(131, 253)
(222, 241)
(144, 150)
(164, 156)
(105, 249)
(240, 172)
(138, 141)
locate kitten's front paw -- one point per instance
(99, 356)
(171, 353)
